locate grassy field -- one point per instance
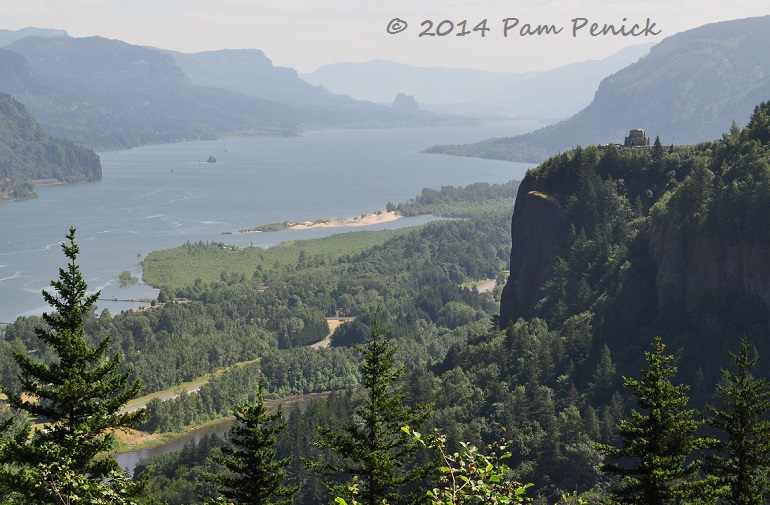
(181, 266)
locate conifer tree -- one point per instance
(373, 450)
(744, 455)
(658, 441)
(253, 476)
(78, 398)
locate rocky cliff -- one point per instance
(534, 231)
(694, 267)
(669, 241)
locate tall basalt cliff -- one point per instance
(692, 267)
(534, 229)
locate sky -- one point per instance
(307, 34)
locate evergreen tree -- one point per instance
(744, 457)
(78, 398)
(373, 449)
(658, 441)
(254, 476)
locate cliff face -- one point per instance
(693, 266)
(690, 268)
(534, 231)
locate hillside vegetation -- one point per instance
(27, 153)
(685, 90)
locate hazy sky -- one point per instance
(306, 34)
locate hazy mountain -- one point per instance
(554, 93)
(9, 36)
(686, 90)
(380, 81)
(250, 72)
(561, 92)
(109, 94)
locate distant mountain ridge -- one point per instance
(108, 94)
(9, 36)
(686, 90)
(550, 94)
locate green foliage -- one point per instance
(126, 279)
(372, 447)
(181, 267)
(743, 456)
(78, 398)
(470, 477)
(474, 199)
(28, 154)
(254, 476)
(657, 442)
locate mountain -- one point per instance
(250, 72)
(109, 94)
(8, 36)
(685, 91)
(381, 80)
(643, 242)
(554, 93)
(27, 154)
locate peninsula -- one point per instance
(362, 220)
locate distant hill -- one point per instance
(108, 94)
(250, 72)
(9, 36)
(686, 90)
(27, 154)
(551, 94)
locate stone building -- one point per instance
(637, 138)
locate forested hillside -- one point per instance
(27, 153)
(685, 90)
(610, 248)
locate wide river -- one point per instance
(161, 196)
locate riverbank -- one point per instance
(135, 440)
(363, 220)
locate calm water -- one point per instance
(158, 197)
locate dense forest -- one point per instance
(549, 379)
(594, 332)
(27, 153)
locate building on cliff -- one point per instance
(637, 138)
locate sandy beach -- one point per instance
(376, 218)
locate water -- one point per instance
(128, 460)
(157, 197)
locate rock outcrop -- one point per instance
(693, 266)
(534, 229)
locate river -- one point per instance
(160, 196)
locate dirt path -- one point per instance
(486, 286)
(195, 386)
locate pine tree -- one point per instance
(253, 474)
(78, 398)
(744, 456)
(658, 441)
(373, 449)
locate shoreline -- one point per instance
(363, 220)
